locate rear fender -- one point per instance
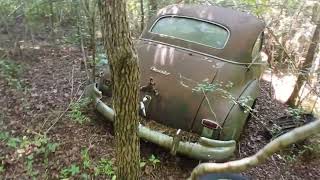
(236, 119)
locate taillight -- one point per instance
(210, 124)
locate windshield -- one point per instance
(192, 30)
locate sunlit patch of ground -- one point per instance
(283, 85)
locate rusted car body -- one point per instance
(184, 46)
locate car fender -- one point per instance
(236, 118)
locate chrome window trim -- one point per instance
(188, 17)
(201, 53)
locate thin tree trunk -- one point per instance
(93, 41)
(52, 19)
(142, 15)
(125, 90)
(302, 77)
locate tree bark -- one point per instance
(52, 18)
(306, 66)
(125, 90)
(142, 15)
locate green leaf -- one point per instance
(142, 164)
(74, 170)
(13, 142)
(4, 136)
(52, 147)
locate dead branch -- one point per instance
(241, 165)
(84, 57)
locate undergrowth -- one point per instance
(11, 72)
(77, 110)
(29, 150)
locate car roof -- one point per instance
(244, 29)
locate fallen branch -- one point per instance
(241, 165)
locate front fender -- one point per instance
(236, 119)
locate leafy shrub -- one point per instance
(11, 71)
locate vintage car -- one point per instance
(198, 63)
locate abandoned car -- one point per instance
(200, 67)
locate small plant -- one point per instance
(13, 142)
(223, 90)
(311, 148)
(295, 112)
(1, 167)
(29, 164)
(85, 158)
(29, 149)
(153, 160)
(142, 164)
(290, 158)
(4, 136)
(11, 71)
(69, 172)
(105, 167)
(76, 111)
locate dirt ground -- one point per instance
(52, 77)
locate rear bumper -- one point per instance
(204, 149)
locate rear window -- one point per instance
(192, 30)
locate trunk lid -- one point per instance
(175, 73)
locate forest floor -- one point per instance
(42, 97)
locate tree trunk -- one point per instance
(142, 15)
(302, 77)
(52, 18)
(125, 91)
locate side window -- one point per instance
(257, 46)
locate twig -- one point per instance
(211, 109)
(72, 82)
(84, 57)
(278, 42)
(58, 118)
(66, 110)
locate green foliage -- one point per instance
(222, 89)
(153, 160)
(308, 149)
(311, 150)
(13, 142)
(74, 38)
(69, 172)
(105, 167)
(76, 113)
(4, 136)
(29, 149)
(295, 112)
(29, 165)
(11, 71)
(2, 168)
(142, 164)
(85, 158)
